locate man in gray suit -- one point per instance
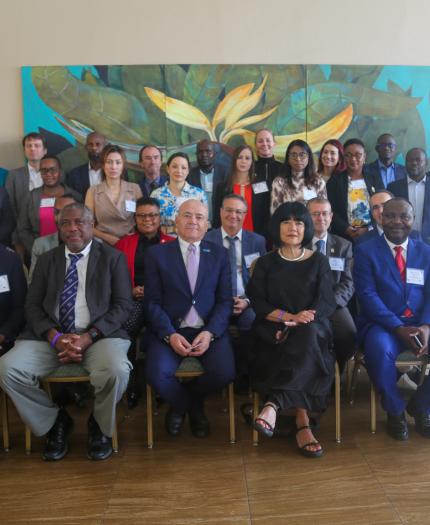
(77, 302)
(339, 254)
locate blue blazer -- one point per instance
(145, 193)
(382, 295)
(372, 169)
(400, 189)
(251, 243)
(168, 296)
(79, 179)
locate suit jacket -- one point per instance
(42, 245)
(17, 182)
(337, 193)
(400, 189)
(108, 292)
(252, 243)
(168, 296)
(220, 174)
(12, 302)
(7, 218)
(382, 295)
(79, 179)
(372, 169)
(163, 180)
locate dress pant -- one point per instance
(242, 343)
(344, 336)
(162, 363)
(22, 367)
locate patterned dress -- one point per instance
(283, 192)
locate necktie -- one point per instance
(153, 186)
(233, 265)
(68, 295)
(401, 265)
(320, 244)
(192, 270)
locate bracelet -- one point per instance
(55, 339)
(281, 315)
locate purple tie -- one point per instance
(192, 316)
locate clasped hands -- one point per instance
(196, 348)
(71, 347)
(406, 335)
(303, 317)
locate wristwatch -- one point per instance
(94, 334)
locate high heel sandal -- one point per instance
(265, 427)
(304, 448)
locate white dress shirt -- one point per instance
(404, 246)
(238, 244)
(35, 179)
(416, 194)
(95, 176)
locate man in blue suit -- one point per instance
(392, 283)
(188, 303)
(416, 189)
(244, 248)
(384, 165)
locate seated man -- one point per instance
(244, 248)
(339, 254)
(188, 304)
(77, 302)
(392, 283)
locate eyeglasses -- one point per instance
(233, 211)
(150, 216)
(389, 145)
(357, 156)
(321, 213)
(303, 155)
(52, 170)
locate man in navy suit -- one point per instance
(384, 165)
(416, 189)
(392, 283)
(188, 303)
(90, 173)
(150, 158)
(207, 174)
(244, 248)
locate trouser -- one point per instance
(344, 336)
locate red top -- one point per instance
(46, 219)
(246, 192)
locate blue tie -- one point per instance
(68, 295)
(233, 265)
(320, 244)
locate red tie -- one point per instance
(401, 265)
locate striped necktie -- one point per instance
(68, 295)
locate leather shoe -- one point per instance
(422, 420)
(99, 445)
(199, 425)
(173, 422)
(56, 441)
(397, 427)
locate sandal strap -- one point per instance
(302, 428)
(272, 405)
(310, 444)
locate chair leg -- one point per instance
(149, 427)
(372, 408)
(231, 413)
(27, 440)
(337, 402)
(353, 381)
(5, 422)
(115, 439)
(254, 415)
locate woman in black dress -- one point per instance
(291, 291)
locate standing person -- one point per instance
(349, 193)
(90, 173)
(7, 219)
(113, 202)
(376, 202)
(300, 183)
(331, 160)
(291, 292)
(384, 165)
(267, 168)
(188, 303)
(207, 175)
(150, 159)
(176, 190)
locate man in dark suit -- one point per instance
(384, 165)
(188, 303)
(392, 283)
(7, 218)
(78, 300)
(90, 173)
(244, 248)
(339, 254)
(416, 189)
(150, 158)
(207, 174)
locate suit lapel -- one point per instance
(204, 263)
(391, 262)
(178, 264)
(93, 258)
(59, 274)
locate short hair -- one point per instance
(35, 136)
(234, 196)
(66, 196)
(263, 129)
(86, 212)
(309, 175)
(384, 135)
(419, 149)
(317, 200)
(340, 166)
(181, 155)
(351, 142)
(147, 201)
(113, 148)
(378, 192)
(295, 211)
(401, 199)
(52, 157)
(150, 146)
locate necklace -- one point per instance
(292, 260)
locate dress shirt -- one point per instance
(35, 179)
(316, 239)
(388, 174)
(238, 244)
(207, 180)
(404, 245)
(416, 194)
(183, 245)
(95, 176)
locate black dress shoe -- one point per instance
(132, 400)
(56, 441)
(422, 420)
(99, 445)
(173, 422)
(199, 425)
(397, 427)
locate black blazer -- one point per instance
(337, 193)
(79, 179)
(220, 174)
(108, 292)
(7, 218)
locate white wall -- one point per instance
(49, 32)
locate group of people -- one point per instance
(266, 247)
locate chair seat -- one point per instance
(70, 370)
(409, 357)
(190, 365)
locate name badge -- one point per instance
(4, 284)
(209, 186)
(415, 276)
(309, 194)
(358, 184)
(260, 187)
(47, 203)
(337, 264)
(130, 206)
(249, 259)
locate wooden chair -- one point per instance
(5, 421)
(189, 368)
(338, 436)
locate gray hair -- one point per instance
(235, 196)
(87, 214)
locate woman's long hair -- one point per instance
(310, 176)
(251, 172)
